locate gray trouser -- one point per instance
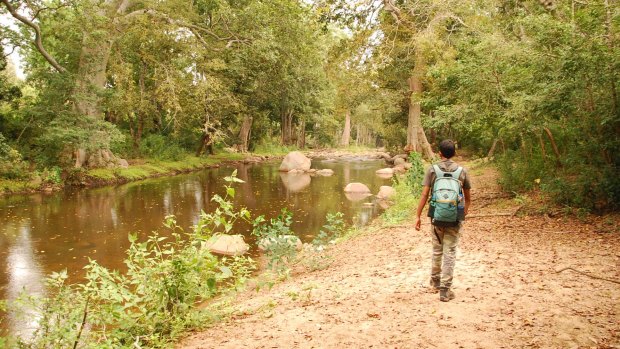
(445, 240)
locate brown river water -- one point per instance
(45, 233)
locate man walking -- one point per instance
(445, 236)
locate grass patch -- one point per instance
(135, 173)
(151, 167)
(358, 149)
(15, 186)
(405, 203)
(102, 173)
(273, 149)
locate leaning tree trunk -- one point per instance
(416, 138)
(346, 133)
(244, 133)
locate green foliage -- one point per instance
(277, 239)
(331, 231)
(415, 174)
(162, 148)
(11, 164)
(146, 306)
(51, 175)
(405, 202)
(273, 148)
(408, 190)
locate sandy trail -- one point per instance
(508, 293)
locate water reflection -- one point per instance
(295, 182)
(23, 274)
(43, 233)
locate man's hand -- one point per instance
(418, 224)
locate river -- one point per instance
(45, 233)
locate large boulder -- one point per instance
(385, 171)
(399, 161)
(229, 245)
(122, 163)
(295, 160)
(385, 192)
(356, 188)
(356, 191)
(400, 169)
(384, 156)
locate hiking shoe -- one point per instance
(445, 294)
(434, 285)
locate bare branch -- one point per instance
(39, 10)
(37, 41)
(393, 10)
(195, 29)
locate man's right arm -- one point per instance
(423, 198)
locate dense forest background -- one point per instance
(533, 84)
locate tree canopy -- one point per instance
(533, 83)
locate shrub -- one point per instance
(161, 148)
(149, 304)
(11, 164)
(275, 236)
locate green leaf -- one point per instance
(230, 191)
(226, 272)
(211, 284)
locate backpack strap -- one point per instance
(438, 172)
(456, 174)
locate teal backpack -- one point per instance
(447, 203)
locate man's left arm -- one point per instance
(467, 193)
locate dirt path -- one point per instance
(508, 293)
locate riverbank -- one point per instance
(535, 281)
(139, 169)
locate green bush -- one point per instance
(11, 164)
(276, 237)
(586, 186)
(519, 173)
(147, 306)
(408, 190)
(161, 148)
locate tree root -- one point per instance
(588, 275)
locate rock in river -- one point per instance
(295, 160)
(229, 245)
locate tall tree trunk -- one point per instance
(542, 146)
(206, 140)
(244, 133)
(346, 133)
(554, 146)
(301, 136)
(492, 150)
(610, 45)
(97, 39)
(286, 126)
(416, 138)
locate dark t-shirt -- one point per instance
(447, 166)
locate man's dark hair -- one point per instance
(446, 147)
